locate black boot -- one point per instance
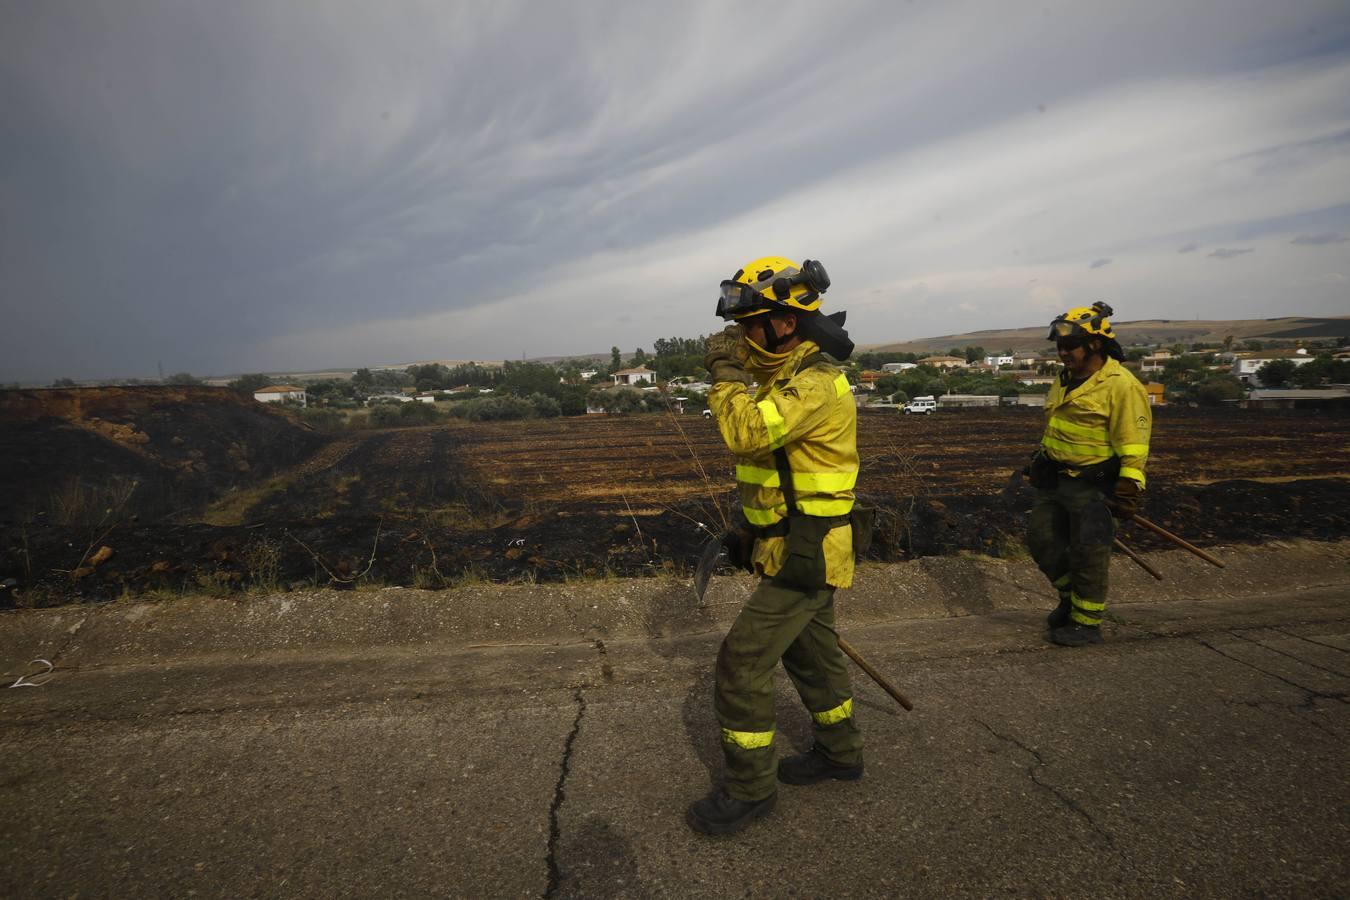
(812, 768)
(1075, 635)
(1059, 616)
(721, 813)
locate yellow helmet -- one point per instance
(1083, 321)
(770, 283)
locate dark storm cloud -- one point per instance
(204, 183)
(1317, 240)
(1231, 252)
(1099, 263)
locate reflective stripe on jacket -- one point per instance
(812, 415)
(1108, 415)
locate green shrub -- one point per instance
(545, 406)
(616, 400)
(385, 415)
(417, 413)
(572, 401)
(1217, 389)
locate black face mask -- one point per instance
(828, 333)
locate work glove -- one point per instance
(740, 546)
(1043, 473)
(1125, 499)
(726, 356)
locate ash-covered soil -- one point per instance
(67, 454)
(230, 494)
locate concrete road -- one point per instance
(544, 742)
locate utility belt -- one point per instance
(1045, 472)
(782, 527)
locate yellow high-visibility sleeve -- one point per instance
(1131, 426)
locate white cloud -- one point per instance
(976, 217)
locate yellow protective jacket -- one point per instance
(810, 413)
(1108, 415)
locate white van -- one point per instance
(921, 405)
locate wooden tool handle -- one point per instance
(1163, 532)
(875, 675)
(1120, 545)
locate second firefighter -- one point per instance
(1088, 471)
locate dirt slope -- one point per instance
(69, 454)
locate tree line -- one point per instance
(534, 389)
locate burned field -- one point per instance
(199, 490)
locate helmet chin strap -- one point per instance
(771, 338)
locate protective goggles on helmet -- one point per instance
(1061, 328)
(738, 298)
(1071, 341)
(1086, 322)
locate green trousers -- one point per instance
(1069, 535)
(796, 626)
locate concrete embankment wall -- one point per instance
(202, 628)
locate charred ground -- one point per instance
(198, 489)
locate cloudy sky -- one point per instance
(268, 185)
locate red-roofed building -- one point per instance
(281, 393)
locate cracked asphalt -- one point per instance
(1202, 751)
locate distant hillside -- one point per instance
(1147, 331)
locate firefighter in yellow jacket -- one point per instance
(1088, 469)
(795, 444)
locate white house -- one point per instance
(898, 367)
(427, 397)
(996, 361)
(280, 393)
(1247, 366)
(634, 376)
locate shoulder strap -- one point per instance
(810, 360)
(780, 461)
